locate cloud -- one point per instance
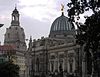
(35, 28)
(39, 9)
(36, 16)
(6, 7)
(31, 2)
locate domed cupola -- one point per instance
(15, 11)
(61, 24)
(15, 18)
(61, 27)
(15, 33)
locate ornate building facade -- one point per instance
(15, 36)
(56, 53)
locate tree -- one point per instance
(1, 25)
(77, 7)
(88, 34)
(8, 69)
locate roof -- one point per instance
(61, 27)
(7, 47)
(15, 11)
(61, 23)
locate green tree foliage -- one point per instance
(8, 69)
(1, 25)
(88, 34)
(77, 7)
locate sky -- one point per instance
(36, 16)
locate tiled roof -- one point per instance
(7, 48)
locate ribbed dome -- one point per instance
(61, 24)
(61, 27)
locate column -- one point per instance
(65, 62)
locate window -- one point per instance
(16, 28)
(8, 35)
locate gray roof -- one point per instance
(61, 24)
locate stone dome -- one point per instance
(15, 33)
(61, 25)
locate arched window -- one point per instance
(71, 64)
(52, 66)
(60, 65)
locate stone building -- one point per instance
(7, 52)
(56, 53)
(15, 33)
(15, 36)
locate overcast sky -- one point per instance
(36, 16)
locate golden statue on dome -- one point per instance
(62, 9)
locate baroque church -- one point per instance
(56, 53)
(15, 37)
(15, 33)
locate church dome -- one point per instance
(15, 33)
(61, 26)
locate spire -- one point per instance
(15, 17)
(30, 42)
(15, 10)
(15, 6)
(62, 9)
(30, 38)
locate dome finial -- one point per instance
(62, 9)
(15, 10)
(15, 6)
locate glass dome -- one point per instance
(62, 27)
